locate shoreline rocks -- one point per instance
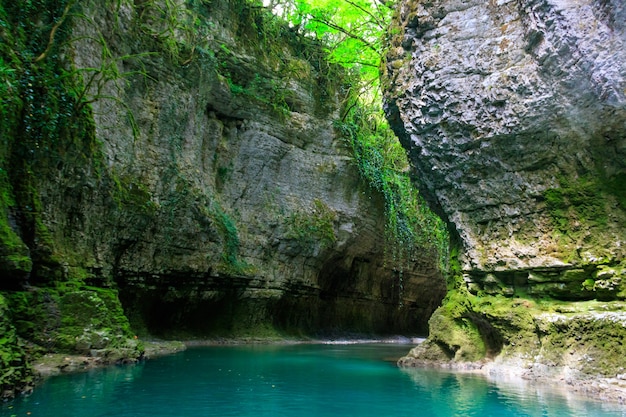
(562, 380)
(514, 117)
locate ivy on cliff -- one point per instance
(382, 162)
(46, 132)
(352, 32)
(38, 122)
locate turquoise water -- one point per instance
(292, 380)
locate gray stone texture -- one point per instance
(196, 215)
(501, 101)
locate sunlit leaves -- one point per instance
(351, 30)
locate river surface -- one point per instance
(291, 380)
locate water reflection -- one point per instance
(466, 394)
(86, 391)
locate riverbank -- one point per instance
(52, 364)
(512, 371)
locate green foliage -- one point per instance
(383, 164)
(231, 263)
(176, 25)
(230, 239)
(351, 30)
(454, 279)
(313, 226)
(14, 368)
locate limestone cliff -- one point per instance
(514, 113)
(251, 209)
(183, 155)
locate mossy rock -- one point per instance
(73, 319)
(587, 336)
(596, 340)
(15, 371)
(92, 319)
(14, 254)
(609, 282)
(571, 284)
(574, 290)
(314, 226)
(454, 329)
(459, 337)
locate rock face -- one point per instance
(216, 195)
(515, 116)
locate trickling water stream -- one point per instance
(291, 380)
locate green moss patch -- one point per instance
(583, 335)
(74, 320)
(315, 226)
(587, 214)
(594, 340)
(581, 200)
(14, 254)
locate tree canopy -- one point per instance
(351, 30)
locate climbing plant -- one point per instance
(46, 119)
(382, 162)
(352, 32)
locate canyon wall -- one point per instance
(250, 208)
(182, 158)
(514, 114)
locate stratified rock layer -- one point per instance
(514, 113)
